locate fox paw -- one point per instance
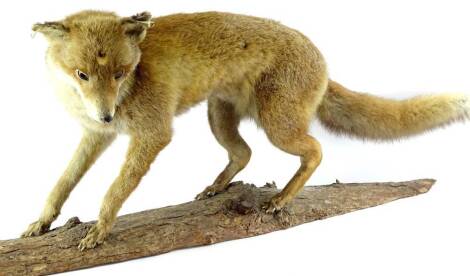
(36, 228)
(208, 192)
(93, 238)
(275, 204)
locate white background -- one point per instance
(395, 49)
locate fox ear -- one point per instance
(51, 29)
(136, 26)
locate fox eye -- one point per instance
(118, 74)
(81, 75)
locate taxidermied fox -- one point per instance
(132, 75)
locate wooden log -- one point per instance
(234, 214)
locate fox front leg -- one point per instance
(90, 148)
(140, 155)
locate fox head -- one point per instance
(95, 52)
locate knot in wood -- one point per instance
(243, 205)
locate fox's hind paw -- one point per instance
(270, 207)
(275, 204)
(210, 191)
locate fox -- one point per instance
(133, 75)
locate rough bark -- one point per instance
(234, 214)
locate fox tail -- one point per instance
(366, 116)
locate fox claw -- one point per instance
(207, 193)
(270, 208)
(274, 205)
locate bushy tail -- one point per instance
(367, 116)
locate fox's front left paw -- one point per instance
(94, 237)
(36, 228)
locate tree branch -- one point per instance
(234, 214)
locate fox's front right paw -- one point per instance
(36, 229)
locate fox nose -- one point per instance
(107, 118)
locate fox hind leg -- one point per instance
(286, 123)
(309, 151)
(224, 122)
